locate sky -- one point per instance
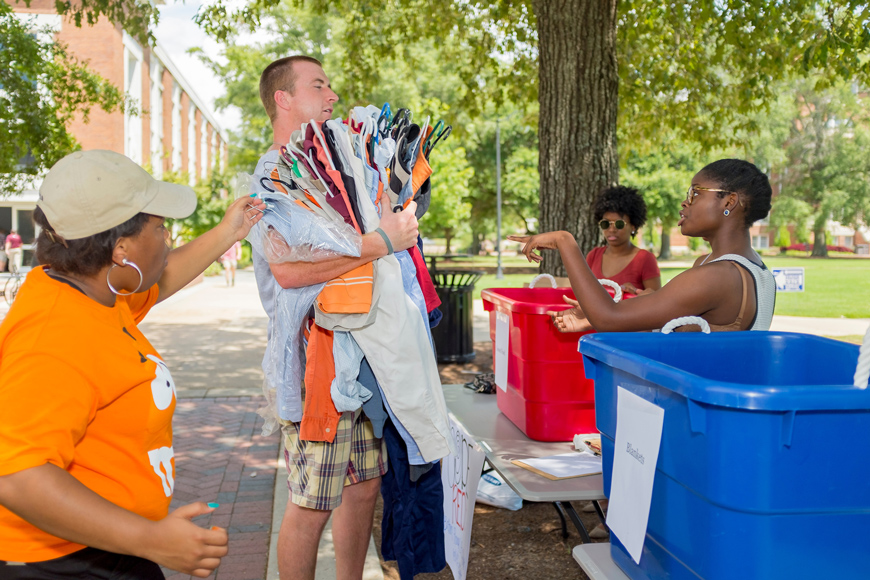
(177, 33)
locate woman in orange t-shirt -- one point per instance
(86, 458)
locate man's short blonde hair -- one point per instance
(280, 76)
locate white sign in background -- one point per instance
(789, 279)
(460, 475)
(639, 426)
(502, 344)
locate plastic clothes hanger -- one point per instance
(265, 181)
(401, 120)
(438, 126)
(443, 135)
(319, 135)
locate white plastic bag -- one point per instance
(492, 490)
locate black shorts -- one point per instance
(87, 564)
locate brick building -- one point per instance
(174, 130)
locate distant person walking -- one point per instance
(2, 250)
(13, 251)
(230, 261)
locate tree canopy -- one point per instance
(822, 167)
(694, 71)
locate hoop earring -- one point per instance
(126, 263)
(727, 212)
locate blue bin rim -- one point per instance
(609, 348)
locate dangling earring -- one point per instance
(633, 232)
(727, 212)
(126, 262)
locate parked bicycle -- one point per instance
(13, 284)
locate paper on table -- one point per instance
(638, 437)
(562, 466)
(502, 341)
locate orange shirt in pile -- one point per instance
(81, 388)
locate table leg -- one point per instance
(600, 514)
(575, 517)
(562, 519)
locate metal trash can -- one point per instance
(454, 335)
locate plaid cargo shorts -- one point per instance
(319, 471)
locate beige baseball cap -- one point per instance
(88, 192)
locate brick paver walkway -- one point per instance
(221, 457)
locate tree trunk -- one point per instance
(475, 243)
(578, 92)
(448, 235)
(665, 252)
(820, 244)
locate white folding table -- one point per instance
(502, 441)
(596, 562)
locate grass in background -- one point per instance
(509, 281)
(834, 287)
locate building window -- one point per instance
(761, 242)
(176, 127)
(156, 117)
(848, 241)
(191, 142)
(133, 58)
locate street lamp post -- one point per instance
(498, 273)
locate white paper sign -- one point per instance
(460, 475)
(638, 436)
(502, 343)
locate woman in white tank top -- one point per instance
(730, 288)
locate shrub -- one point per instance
(808, 247)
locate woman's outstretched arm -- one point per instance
(713, 292)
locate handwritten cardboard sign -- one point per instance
(460, 475)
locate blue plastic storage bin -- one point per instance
(764, 465)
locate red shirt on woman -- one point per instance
(642, 267)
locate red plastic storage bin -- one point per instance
(548, 395)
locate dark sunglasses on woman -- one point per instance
(604, 224)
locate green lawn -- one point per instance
(509, 281)
(482, 261)
(834, 287)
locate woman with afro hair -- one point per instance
(620, 211)
(730, 288)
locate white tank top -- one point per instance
(765, 290)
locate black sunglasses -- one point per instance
(604, 224)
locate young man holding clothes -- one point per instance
(347, 472)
